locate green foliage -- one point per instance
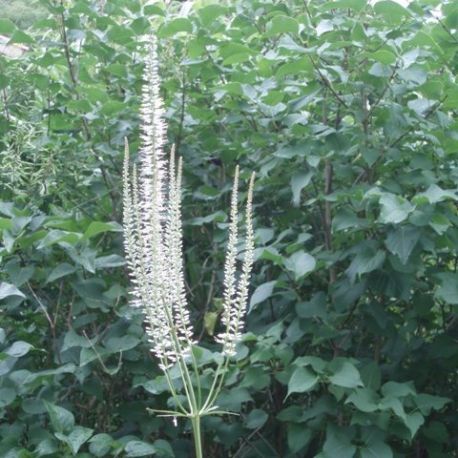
(347, 112)
(22, 12)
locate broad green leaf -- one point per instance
(448, 288)
(395, 209)
(7, 396)
(376, 449)
(414, 421)
(175, 26)
(261, 293)
(256, 419)
(367, 260)
(302, 380)
(76, 438)
(435, 194)
(57, 236)
(298, 437)
(398, 390)
(384, 56)
(428, 402)
(210, 12)
(60, 271)
(124, 343)
(18, 349)
(110, 261)
(402, 240)
(112, 108)
(6, 26)
(7, 290)
(298, 182)
(300, 263)
(282, 24)
(139, 448)
(72, 339)
(163, 449)
(324, 26)
(62, 420)
(100, 444)
(345, 374)
(356, 5)
(391, 11)
(364, 399)
(19, 36)
(338, 443)
(393, 404)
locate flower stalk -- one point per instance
(154, 253)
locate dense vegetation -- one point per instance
(22, 12)
(347, 112)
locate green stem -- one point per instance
(197, 374)
(195, 421)
(216, 387)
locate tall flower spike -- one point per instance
(154, 253)
(236, 294)
(174, 252)
(144, 206)
(153, 239)
(230, 265)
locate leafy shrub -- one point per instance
(346, 111)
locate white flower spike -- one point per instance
(154, 253)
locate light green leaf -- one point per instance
(395, 209)
(398, 390)
(7, 290)
(376, 448)
(7, 396)
(448, 288)
(139, 448)
(299, 181)
(72, 339)
(21, 37)
(100, 444)
(110, 261)
(18, 349)
(391, 11)
(402, 240)
(6, 26)
(302, 380)
(61, 419)
(356, 5)
(282, 24)
(384, 56)
(427, 402)
(78, 437)
(298, 436)
(435, 194)
(124, 343)
(367, 260)
(60, 271)
(338, 443)
(364, 399)
(175, 26)
(413, 421)
(261, 293)
(163, 449)
(345, 375)
(300, 263)
(256, 418)
(56, 236)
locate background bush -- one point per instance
(347, 112)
